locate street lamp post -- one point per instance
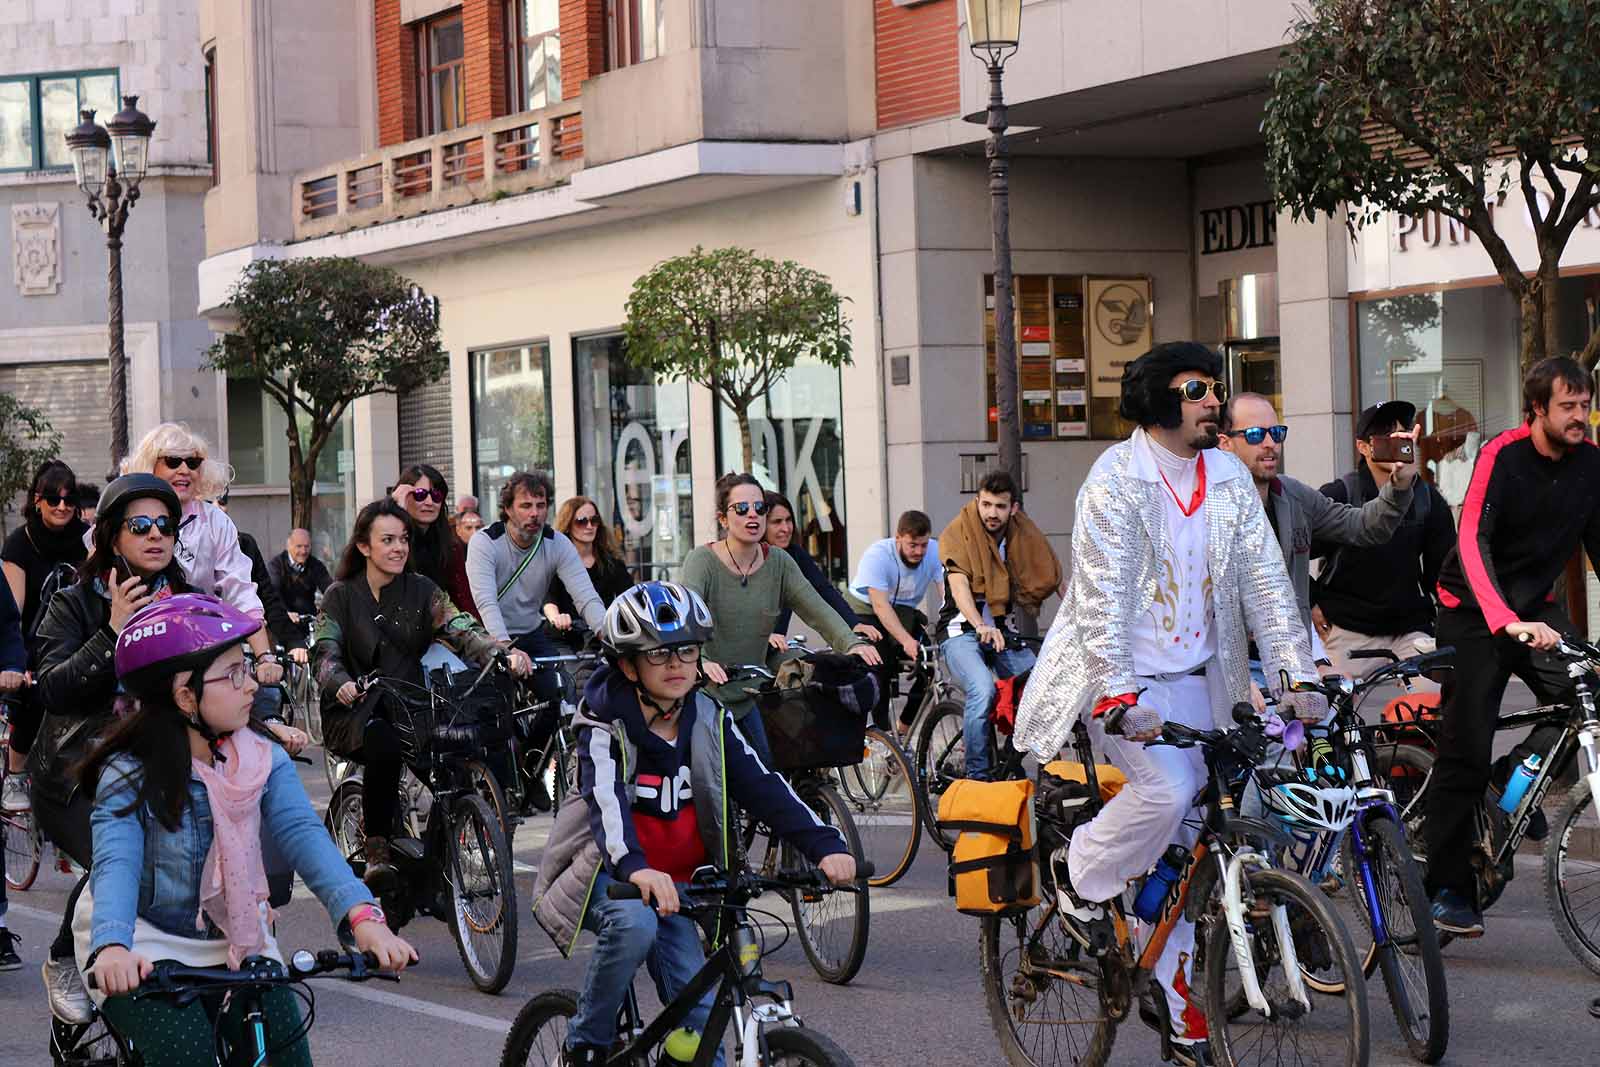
(108, 163)
(993, 28)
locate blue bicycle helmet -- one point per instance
(656, 615)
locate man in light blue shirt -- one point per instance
(888, 589)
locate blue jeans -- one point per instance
(631, 933)
(975, 668)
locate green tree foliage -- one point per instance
(735, 323)
(26, 440)
(1461, 107)
(318, 334)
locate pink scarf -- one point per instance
(234, 881)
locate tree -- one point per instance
(26, 440)
(318, 334)
(1443, 105)
(735, 323)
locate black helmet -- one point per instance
(130, 487)
(1147, 396)
(656, 615)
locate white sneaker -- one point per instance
(14, 793)
(69, 1000)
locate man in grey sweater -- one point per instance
(509, 567)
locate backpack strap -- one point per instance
(534, 551)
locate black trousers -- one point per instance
(1484, 663)
(67, 825)
(549, 683)
(894, 656)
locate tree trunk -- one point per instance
(745, 446)
(302, 470)
(1550, 302)
(1532, 313)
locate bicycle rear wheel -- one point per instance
(941, 752)
(23, 847)
(1572, 875)
(539, 1033)
(484, 919)
(882, 794)
(832, 927)
(1413, 969)
(1407, 771)
(1329, 1031)
(485, 783)
(1044, 994)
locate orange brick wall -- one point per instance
(583, 44)
(483, 30)
(397, 73)
(918, 76)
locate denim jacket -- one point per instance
(142, 869)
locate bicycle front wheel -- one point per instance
(1331, 1031)
(23, 846)
(881, 792)
(795, 1046)
(484, 920)
(941, 751)
(540, 1031)
(1413, 969)
(1572, 875)
(832, 927)
(1043, 992)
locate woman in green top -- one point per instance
(747, 587)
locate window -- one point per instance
(211, 112)
(633, 452)
(38, 111)
(510, 415)
(797, 448)
(533, 54)
(635, 31)
(441, 80)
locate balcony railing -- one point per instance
(485, 161)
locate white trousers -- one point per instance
(1132, 831)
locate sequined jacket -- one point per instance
(1119, 535)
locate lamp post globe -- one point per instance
(130, 130)
(994, 27)
(90, 146)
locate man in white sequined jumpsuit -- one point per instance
(1173, 567)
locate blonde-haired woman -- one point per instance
(208, 541)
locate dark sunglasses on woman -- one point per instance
(586, 520)
(174, 462)
(1254, 435)
(420, 494)
(57, 500)
(1195, 389)
(140, 525)
(744, 507)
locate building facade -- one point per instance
(57, 56)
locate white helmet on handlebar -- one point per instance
(656, 615)
(1306, 806)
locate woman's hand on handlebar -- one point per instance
(714, 672)
(300, 655)
(518, 661)
(1537, 634)
(394, 952)
(657, 889)
(867, 654)
(840, 868)
(291, 739)
(779, 642)
(118, 970)
(10, 681)
(348, 694)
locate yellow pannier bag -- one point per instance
(992, 868)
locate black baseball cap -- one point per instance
(1389, 413)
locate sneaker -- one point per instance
(14, 793)
(381, 875)
(1453, 915)
(583, 1056)
(1187, 1053)
(1090, 917)
(69, 1000)
(539, 794)
(9, 960)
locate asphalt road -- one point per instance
(1516, 995)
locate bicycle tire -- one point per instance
(999, 965)
(486, 784)
(550, 1011)
(795, 1046)
(24, 849)
(1565, 875)
(480, 870)
(835, 964)
(1410, 954)
(1407, 771)
(941, 756)
(346, 819)
(1311, 908)
(92, 1044)
(884, 798)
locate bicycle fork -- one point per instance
(1233, 911)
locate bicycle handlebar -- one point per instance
(169, 978)
(717, 885)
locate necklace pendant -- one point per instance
(744, 581)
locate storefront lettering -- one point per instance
(1432, 228)
(629, 474)
(1237, 227)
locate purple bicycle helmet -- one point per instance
(178, 634)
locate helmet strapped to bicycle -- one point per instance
(1313, 807)
(656, 615)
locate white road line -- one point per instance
(412, 1004)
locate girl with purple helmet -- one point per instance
(183, 786)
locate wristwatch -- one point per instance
(368, 913)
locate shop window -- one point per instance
(797, 448)
(38, 111)
(441, 74)
(634, 455)
(635, 31)
(1074, 334)
(533, 54)
(511, 428)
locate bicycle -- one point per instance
(19, 833)
(459, 868)
(1048, 981)
(1389, 895)
(302, 701)
(1572, 848)
(885, 800)
(940, 750)
(98, 1044)
(766, 1034)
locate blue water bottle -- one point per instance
(1158, 883)
(1517, 785)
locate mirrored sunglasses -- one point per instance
(140, 525)
(744, 507)
(1254, 435)
(1195, 389)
